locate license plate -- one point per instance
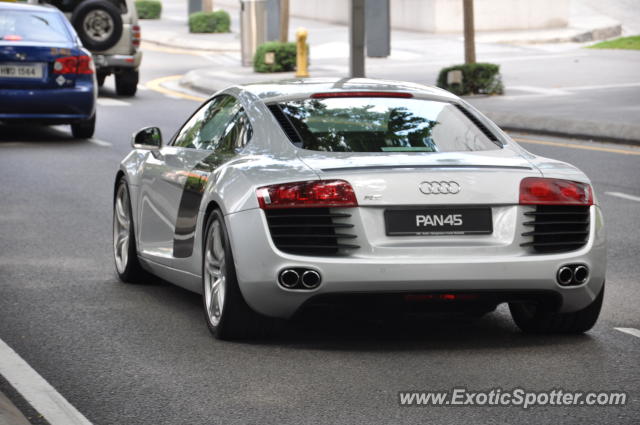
(23, 70)
(438, 221)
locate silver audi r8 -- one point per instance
(274, 198)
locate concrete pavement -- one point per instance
(557, 88)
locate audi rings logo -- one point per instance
(435, 188)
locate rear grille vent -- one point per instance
(282, 119)
(479, 124)
(310, 231)
(557, 228)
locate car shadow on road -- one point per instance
(27, 133)
(441, 331)
(353, 331)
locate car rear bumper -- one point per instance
(118, 61)
(258, 263)
(59, 105)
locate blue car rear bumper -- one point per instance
(49, 106)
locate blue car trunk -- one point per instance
(31, 66)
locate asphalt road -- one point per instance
(142, 354)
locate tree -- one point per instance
(284, 21)
(469, 32)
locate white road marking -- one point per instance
(624, 196)
(106, 101)
(630, 331)
(36, 390)
(100, 143)
(142, 87)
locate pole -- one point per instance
(356, 38)
(469, 32)
(284, 21)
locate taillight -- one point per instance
(85, 65)
(360, 94)
(74, 65)
(12, 37)
(317, 193)
(542, 191)
(67, 65)
(135, 35)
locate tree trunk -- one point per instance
(469, 32)
(284, 20)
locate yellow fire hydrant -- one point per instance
(302, 54)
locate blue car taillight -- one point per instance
(74, 65)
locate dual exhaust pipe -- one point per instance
(299, 278)
(572, 274)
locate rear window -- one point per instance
(22, 25)
(366, 124)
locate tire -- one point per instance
(125, 253)
(84, 129)
(531, 319)
(101, 77)
(98, 24)
(127, 83)
(226, 312)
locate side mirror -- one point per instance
(147, 138)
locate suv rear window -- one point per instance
(22, 25)
(368, 124)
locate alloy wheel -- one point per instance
(121, 225)
(214, 273)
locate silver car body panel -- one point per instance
(383, 263)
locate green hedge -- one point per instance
(218, 21)
(148, 9)
(477, 78)
(284, 57)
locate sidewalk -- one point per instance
(559, 88)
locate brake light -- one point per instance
(12, 37)
(360, 94)
(543, 191)
(308, 194)
(74, 65)
(85, 65)
(135, 35)
(66, 65)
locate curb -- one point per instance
(190, 47)
(619, 133)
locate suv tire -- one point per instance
(84, 129)
(127, 82)
(98, 24)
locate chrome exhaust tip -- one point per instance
(564, 275)
(581, 274)
(289, 278)
(310, 279)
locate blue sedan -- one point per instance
(46, 76)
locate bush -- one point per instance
(148, 9)
(284, 57)
(218, 21)
(477, 78)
